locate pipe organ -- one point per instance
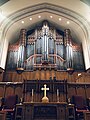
(45, 47)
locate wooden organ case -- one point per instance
(45, 47)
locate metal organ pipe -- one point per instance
(45, 31)
(21, 51)
(69, 55)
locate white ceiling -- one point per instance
(74, 11)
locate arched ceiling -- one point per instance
(62, 11)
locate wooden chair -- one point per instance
(8, 106)
(80, 106)
(2, 115)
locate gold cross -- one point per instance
(45, 89)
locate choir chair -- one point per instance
(8, 106)
(80, 106)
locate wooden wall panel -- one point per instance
(1, 77)
(54, 97)
(87, 79)
(1, 92)
(20, 78)
(24, 76)
(53, 73)
(18, 91)
(32, 75)
(7, 76)
(81, 91)
(37, 97)
(88, 92)
(27, 75)
(71, 91)
(14, 76)
(81, 79)
(50, 96)
(42, 75)
(58, 75)
(62, 75)
(62, 98)
(37, 74)
(9, 91)
(27, 97)
(47, 74)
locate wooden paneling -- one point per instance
(62, 76)
(42, 75)
(53, 73)
(87, 79)
(18, 91)
(58, 75)
(28, 97)
(81, 91)
(87, 115)
(88, 91)
(52, 85)
(1, 92)
(47, 74)
(62, 98)
(1, 77)
(37, 74)
(10, 88)
(71, 91)
(55, 97)
(2, 115)
(9, 91)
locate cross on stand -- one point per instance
(45, 98)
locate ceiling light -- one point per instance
(22, 22)
(68, 22)
(50, 16)
(30, 18)
(1, 15)
(39, 16)
(60, 19)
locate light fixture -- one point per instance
(39, 16)
(30, 18)
(22, 22)
(68, 22)
(1, 15)
(79, 74)
(51, 16)
(60, 19)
